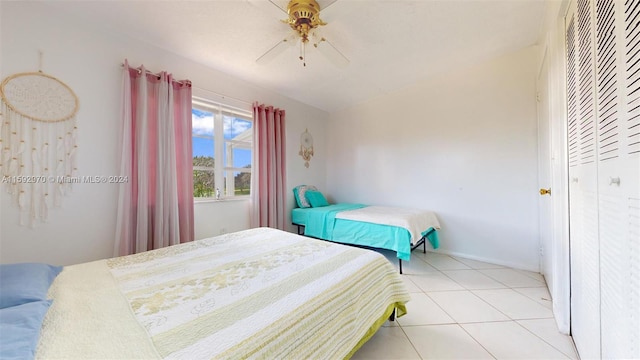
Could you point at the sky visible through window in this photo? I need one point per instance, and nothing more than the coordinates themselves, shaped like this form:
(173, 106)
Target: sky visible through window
(203, 125)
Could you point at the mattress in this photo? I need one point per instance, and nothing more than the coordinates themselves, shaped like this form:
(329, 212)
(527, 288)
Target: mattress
(259, 293)
(391, 228)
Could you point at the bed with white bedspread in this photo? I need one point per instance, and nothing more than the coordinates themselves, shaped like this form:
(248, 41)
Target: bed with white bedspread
(384, 227)
(259, 293)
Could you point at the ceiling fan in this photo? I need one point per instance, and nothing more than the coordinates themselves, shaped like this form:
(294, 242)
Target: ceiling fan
(303, 16)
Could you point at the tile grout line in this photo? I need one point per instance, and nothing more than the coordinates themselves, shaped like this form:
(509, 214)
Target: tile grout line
(440, 307)
(452, 279)
(481, 299)
(542, 284)
(536, 300)
(410, 342)
(543, 340)
(467, 290)
(472, 291)
(526, 273)
(479, 343)
(464, 288)
(461, 263)
(511, 319)
(450, 316)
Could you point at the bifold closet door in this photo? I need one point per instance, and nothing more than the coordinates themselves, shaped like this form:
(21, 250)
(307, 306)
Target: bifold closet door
(583, 219)
(618, 134)
(603, 99)
(610, 93)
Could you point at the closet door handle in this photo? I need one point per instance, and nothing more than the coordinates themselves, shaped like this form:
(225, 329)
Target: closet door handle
(615, 181)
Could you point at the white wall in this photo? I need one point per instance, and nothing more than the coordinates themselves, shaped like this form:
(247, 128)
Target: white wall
(463, 144)
(2, 76)
(88, 59)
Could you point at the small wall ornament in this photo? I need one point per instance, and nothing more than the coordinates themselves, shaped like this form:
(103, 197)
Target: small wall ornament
(306, 147)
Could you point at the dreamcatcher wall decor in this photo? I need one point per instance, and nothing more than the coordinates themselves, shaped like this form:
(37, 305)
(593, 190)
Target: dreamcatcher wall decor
(37, 141)
(306, 147)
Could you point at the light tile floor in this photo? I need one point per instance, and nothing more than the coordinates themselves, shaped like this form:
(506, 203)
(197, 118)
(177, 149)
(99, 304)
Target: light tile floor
(467, 309)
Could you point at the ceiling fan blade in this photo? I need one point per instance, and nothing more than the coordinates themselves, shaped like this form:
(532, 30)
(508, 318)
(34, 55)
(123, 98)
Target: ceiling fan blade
(332, 10)
(282, 6)
(277, 49)
(325, 4)
(331, 52)
(271, 7)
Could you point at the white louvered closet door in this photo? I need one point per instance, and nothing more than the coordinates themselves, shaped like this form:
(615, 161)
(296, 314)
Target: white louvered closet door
(626, 194)
(610, 92)
(583, 220)
(618, 165)
(604, 171)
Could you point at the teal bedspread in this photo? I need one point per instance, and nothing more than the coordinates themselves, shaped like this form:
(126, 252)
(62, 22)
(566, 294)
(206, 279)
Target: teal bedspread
(321, 223)
(432, 236)
(321, 220)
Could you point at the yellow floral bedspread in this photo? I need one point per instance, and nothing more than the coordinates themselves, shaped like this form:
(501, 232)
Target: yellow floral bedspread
(259, 293)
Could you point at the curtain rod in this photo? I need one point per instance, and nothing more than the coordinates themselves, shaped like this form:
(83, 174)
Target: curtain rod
(148, 72)
(224, 96)
(195, 87)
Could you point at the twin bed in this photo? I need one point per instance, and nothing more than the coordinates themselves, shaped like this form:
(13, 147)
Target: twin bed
(398, 229)
(258, 293)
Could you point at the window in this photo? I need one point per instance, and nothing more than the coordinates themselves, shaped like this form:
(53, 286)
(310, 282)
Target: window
(222, 150)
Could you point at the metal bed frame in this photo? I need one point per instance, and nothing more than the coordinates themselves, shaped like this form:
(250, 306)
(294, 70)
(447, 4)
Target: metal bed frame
(422, 241)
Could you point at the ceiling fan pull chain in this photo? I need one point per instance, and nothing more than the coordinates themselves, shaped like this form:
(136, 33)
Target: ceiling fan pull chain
(303, 53)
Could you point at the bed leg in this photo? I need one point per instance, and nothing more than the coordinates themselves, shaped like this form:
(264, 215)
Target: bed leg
(392, 317)
(424, 245)
(400, 262)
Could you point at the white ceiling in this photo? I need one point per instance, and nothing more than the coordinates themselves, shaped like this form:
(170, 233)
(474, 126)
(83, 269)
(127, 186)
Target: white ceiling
(390, 44)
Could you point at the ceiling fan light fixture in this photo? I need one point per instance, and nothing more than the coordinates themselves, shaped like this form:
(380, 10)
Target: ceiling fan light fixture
(304, 19)
(304, 15)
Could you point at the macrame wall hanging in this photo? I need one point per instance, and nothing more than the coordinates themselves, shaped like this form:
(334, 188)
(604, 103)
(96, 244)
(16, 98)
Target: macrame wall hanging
(38, 142)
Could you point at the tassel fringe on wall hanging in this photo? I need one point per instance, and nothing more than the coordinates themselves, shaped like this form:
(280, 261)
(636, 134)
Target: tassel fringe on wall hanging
(37, 141)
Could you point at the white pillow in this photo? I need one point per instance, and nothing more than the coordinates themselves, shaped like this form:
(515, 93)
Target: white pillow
(301, 199)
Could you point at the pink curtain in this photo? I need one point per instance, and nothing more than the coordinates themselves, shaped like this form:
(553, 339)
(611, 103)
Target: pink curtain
(155, 205)
(268, 186)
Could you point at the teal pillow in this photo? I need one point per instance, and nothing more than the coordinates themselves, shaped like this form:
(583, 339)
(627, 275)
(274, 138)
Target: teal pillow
(25, 282)
(21, 326)
(316, 199)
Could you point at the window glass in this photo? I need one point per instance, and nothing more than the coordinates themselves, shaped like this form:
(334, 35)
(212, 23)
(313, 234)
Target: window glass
(221, 158)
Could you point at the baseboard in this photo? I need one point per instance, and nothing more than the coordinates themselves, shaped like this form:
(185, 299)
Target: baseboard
(487, 260)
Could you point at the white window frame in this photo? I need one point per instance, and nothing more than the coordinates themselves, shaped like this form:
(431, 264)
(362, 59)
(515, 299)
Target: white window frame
(219, 110)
